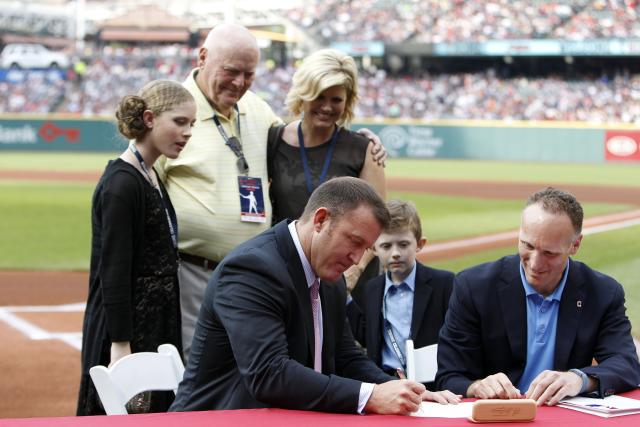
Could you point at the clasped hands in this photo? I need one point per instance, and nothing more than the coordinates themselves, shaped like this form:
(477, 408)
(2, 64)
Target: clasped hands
(404, 397)
(549, 387)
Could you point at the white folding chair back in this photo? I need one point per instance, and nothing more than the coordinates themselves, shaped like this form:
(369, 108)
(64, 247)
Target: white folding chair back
(422, 363)
(136, 373)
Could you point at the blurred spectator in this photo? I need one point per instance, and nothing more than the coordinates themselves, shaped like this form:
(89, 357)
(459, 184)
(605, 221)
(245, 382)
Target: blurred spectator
(482, 95)
(439, 21)
(603, 19)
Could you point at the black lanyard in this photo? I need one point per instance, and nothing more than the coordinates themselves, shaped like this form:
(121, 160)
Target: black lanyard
(233, 143)
(327, 159)
(171, 220)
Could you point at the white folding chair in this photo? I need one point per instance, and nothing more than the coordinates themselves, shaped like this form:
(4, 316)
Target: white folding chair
(422, 363)
(136, 373)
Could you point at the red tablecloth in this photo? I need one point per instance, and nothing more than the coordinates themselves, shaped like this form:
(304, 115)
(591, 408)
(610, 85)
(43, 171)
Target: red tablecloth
(546, 416)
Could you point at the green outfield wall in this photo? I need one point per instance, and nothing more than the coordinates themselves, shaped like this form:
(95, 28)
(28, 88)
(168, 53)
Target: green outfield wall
(495, 140)
(59, 134)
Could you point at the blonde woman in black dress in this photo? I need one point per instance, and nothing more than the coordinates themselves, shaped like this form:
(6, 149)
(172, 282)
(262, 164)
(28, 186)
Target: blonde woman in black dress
(319, 146)
(134, 302)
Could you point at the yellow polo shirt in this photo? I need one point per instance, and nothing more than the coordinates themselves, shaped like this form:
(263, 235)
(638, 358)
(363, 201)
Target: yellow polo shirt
(203, 181)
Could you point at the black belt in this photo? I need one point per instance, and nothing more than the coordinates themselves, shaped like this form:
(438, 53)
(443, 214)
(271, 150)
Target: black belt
(205, 263)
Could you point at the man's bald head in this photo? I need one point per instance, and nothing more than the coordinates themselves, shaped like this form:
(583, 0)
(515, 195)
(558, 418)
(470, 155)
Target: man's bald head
(227, 63)
(228, 37)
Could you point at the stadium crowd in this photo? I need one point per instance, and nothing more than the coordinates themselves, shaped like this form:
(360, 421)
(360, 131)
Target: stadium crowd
(114, 72)
(110, 72)
(441, 21)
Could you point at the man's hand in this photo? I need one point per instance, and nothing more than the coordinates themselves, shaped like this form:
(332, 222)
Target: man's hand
(119, 350)
(400, 397)
(444, 397)
(377, 149)
(351, 276)
(549, 387)
(496, 386)
(353, 273)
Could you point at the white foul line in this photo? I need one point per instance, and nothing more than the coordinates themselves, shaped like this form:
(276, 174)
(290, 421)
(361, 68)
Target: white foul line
(610, 227)
(27, 328)
(65, 308)
(512, 235)
(34, 332)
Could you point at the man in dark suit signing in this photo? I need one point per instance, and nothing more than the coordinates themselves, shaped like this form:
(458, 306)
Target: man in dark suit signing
(272, 329)
(533, 323)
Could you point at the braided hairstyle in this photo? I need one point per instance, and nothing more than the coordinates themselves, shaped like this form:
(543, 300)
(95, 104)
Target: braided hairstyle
(157, 96)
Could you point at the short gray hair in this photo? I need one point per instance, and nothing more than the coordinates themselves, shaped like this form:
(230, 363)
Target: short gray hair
(345, 194)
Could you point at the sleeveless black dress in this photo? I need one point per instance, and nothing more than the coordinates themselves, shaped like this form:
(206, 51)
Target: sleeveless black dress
(288, 190)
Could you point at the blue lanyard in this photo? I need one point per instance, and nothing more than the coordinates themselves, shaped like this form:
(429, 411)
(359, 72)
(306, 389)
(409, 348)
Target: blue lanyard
(305, 163)
(389, 331)
(171, 220)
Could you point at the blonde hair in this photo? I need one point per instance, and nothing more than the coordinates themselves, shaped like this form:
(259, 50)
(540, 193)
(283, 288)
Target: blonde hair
(157, 96)
(319, 71)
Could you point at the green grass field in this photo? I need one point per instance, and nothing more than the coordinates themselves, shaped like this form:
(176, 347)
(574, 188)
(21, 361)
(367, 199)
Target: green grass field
(55, 161)
(449, 217)
(46, 225)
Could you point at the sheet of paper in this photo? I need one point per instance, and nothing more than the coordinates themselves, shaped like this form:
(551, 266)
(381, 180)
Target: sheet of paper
(426, 363)
(592, 412)
(436, 410)
(610, 406)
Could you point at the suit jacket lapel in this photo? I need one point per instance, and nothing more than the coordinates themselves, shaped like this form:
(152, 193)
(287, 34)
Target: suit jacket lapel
(513, 305)
(374, 300)
(571, 302)
(421, 297)
(328, 300)
(296, 272)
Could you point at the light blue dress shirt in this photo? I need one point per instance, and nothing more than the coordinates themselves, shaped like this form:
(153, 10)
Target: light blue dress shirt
(542, 322)
(397, 310)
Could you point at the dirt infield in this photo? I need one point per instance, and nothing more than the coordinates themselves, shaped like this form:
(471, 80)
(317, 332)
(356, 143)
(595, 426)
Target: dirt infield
(41, 375)
(513, 190)
(39, 322)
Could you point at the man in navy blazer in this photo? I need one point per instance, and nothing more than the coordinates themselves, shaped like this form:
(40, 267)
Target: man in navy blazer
(255, 342)
(533, 323)
(424, 298)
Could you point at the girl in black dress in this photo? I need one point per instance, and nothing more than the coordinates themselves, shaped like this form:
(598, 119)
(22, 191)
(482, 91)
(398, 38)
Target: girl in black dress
(134, 302)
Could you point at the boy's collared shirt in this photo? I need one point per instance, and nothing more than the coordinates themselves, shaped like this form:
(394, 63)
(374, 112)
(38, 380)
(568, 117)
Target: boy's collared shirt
(397, 311)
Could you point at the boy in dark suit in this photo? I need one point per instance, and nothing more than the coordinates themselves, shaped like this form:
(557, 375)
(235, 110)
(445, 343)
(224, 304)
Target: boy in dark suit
(409, 301)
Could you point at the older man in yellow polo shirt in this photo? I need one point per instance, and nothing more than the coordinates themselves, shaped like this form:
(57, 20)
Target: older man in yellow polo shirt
(225, 158)
(219, 184)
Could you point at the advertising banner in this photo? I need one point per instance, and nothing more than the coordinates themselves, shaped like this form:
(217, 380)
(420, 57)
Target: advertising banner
(56, 134)
(621, 145)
